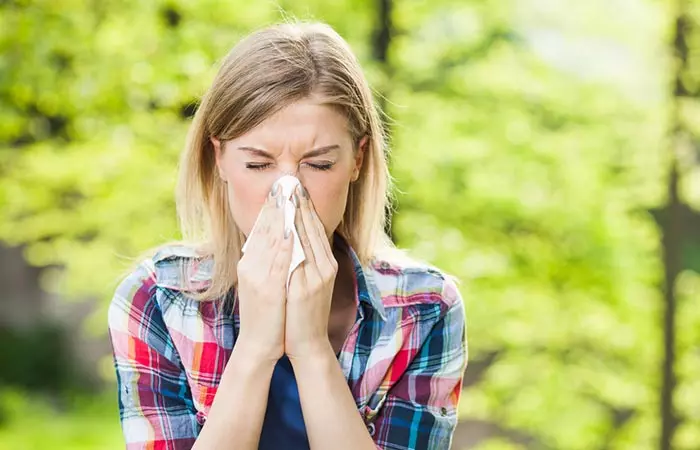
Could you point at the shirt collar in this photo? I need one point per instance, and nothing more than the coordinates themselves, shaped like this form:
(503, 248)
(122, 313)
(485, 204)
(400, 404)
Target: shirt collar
(367, 291)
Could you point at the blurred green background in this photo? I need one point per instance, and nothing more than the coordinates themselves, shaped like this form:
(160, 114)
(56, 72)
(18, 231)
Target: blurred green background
(545, 151)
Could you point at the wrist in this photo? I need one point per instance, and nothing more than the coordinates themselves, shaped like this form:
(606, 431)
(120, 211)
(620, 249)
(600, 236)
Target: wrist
(313, 353)
(251, 352)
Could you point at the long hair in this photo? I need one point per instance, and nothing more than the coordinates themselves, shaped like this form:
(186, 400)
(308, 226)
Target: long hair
(266, 71)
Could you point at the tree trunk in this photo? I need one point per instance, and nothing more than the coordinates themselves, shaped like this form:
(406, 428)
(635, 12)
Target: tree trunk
(380, 45)
(672, 233)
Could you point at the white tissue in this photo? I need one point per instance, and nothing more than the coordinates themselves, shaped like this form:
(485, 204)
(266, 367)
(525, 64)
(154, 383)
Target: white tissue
(288, 184)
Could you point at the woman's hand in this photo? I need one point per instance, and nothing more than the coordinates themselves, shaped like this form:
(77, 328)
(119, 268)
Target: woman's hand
(311, 286)
(262, 275)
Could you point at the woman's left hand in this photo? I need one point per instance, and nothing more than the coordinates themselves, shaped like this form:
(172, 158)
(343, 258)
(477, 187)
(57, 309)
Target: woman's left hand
(311, 286)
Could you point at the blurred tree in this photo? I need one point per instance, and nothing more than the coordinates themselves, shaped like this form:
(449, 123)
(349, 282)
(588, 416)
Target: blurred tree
(679, 219)
(528, 146)
(383, 35)
(672, 233)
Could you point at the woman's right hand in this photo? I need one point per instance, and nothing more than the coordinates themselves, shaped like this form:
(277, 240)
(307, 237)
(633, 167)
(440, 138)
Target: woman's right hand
(262, 277)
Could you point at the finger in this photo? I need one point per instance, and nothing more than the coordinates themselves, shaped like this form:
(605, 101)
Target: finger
(261, 227)
(310, 270)
(273, 235)
(282, 258)
(304, 238)
(272, 207)
(322, 267)
(319, 229)
(315, 230)
(273, 240)
(275, 219)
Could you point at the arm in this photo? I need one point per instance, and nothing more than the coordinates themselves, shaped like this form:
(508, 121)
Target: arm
(420, 411)
(156, 407)
(329, 409)
(330, 413)
(239, 407)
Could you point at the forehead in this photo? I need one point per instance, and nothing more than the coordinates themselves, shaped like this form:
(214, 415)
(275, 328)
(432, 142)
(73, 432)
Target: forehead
(302, 122)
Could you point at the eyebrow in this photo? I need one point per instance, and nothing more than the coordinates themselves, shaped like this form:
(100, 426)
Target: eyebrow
(310, 154)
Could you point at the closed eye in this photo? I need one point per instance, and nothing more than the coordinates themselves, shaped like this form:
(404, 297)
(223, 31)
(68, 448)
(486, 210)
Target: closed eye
(322, 166)
(257, 166)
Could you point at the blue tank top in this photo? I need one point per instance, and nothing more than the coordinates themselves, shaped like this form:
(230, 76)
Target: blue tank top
(283, 426)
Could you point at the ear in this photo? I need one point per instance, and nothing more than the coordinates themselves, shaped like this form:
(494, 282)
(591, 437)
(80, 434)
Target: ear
(360, 157)
(218, 152)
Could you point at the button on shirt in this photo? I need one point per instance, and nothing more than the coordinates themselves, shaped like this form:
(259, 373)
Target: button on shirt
(403, 360)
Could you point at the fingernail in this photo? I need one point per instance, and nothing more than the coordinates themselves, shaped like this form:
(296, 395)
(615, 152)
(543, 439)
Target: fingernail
(287, 232)
(304, 192)
(274, 189)
(295, 200)
(280, 201)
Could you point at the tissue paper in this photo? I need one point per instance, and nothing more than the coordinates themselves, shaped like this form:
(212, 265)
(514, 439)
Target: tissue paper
(288, 184)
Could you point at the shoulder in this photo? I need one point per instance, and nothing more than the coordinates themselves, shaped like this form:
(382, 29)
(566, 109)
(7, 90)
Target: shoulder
(177, 266)
(181, 267)
(403, 280)
(171, 267)
(132, 295)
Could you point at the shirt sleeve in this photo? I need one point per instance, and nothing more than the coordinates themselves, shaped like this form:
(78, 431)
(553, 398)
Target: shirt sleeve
(420, 411)
(155, 404)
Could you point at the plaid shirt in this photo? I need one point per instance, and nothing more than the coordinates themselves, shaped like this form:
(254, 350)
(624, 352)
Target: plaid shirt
(404, 359)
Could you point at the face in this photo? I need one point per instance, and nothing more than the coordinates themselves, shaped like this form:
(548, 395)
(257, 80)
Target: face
(305, 139)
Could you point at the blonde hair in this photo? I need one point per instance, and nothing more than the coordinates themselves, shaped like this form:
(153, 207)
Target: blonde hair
(263, 73)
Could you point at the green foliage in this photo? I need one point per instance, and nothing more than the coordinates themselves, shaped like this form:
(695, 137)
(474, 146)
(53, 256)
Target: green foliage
(528, 145)
(33, 424)
(532, 186)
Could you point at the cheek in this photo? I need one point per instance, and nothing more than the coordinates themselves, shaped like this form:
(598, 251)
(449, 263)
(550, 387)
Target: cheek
(247, 193)
(329, 199)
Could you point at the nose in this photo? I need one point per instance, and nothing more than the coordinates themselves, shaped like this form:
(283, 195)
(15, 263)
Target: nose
(289, 169)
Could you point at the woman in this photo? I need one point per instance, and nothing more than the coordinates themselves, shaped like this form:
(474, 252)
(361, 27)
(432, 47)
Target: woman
(215, 348)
